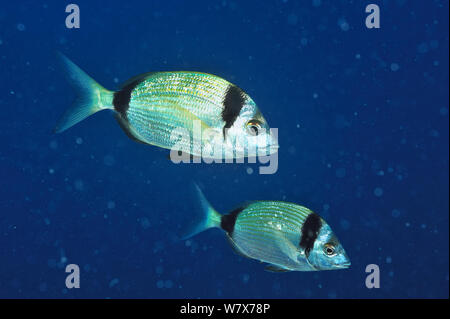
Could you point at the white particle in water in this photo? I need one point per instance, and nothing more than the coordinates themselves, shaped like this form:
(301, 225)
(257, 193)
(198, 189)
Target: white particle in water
(292, 19)
(79, 185)
(395, 67)
(145, 223)
(109, 160)
(113, 282)
(378, 192)
(159, 270)
(168, 284)
(53, 145)
(343, 24)
(395, 213)
(345, 224)
(340, 172)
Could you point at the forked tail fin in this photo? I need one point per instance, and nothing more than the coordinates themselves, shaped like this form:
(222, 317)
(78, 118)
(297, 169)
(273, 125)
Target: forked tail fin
(209, 217)
(92, 97)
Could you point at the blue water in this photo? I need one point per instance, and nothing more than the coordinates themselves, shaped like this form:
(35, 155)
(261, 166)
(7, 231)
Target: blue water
(363, 128)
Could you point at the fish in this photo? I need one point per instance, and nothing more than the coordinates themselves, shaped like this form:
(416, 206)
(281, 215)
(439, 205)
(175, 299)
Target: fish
(157, 108)
(285, 236)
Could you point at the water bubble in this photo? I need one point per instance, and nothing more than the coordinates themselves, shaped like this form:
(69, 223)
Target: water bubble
(20, 27)
(345, 224)
(340, 172)
(79, 185)
(145, 223)
(249, 170)
(159, 270)
(388, 259)
(109, 160)
(168, 284)
(160, 284)
(111, 204)
(378, 192)
(395, 213)
(422, 48)
(245, 278)
(316, 3)
(443, 111)
(43, 287)
(292, 19)
(343, 24)
(395, 67)
(113, 282)
(53, 145)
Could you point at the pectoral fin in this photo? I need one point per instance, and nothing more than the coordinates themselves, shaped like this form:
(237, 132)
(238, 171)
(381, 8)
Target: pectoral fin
(236, 248)
(275, 268)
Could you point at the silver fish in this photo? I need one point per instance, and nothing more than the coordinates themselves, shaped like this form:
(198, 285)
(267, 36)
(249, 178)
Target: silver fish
(287, 236)
(153, 108)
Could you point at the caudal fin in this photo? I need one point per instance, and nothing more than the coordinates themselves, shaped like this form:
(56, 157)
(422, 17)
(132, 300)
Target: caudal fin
(208, 218)
(92, 97)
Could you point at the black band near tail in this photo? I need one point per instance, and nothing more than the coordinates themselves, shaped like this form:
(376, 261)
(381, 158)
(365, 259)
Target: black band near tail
(310, 231)
(232, 104)
(228, 221)
(121, 100)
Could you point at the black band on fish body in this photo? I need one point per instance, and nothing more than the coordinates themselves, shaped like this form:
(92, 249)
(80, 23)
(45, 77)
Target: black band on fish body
(228, 221)
(310, 231)
(121, 100)
(233, 102)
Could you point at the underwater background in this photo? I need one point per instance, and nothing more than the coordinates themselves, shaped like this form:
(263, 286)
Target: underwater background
(362, 117)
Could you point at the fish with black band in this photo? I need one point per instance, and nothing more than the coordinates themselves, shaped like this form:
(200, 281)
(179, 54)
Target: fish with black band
(149, 107)
(287, 236)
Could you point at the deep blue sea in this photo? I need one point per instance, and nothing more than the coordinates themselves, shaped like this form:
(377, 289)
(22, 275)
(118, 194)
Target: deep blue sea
(363, 122)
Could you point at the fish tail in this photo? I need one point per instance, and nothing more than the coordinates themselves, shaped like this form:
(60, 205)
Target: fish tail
(92, 97)
(209, 217)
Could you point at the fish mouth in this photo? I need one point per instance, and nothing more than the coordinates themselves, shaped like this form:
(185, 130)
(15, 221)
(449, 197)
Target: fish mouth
(343, 265)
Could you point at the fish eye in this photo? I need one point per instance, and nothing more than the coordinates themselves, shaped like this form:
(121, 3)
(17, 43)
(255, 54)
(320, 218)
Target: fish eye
(253, 127)
(329, 249)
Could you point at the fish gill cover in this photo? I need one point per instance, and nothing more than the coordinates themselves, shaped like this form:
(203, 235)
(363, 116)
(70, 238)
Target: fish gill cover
(362, 116)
